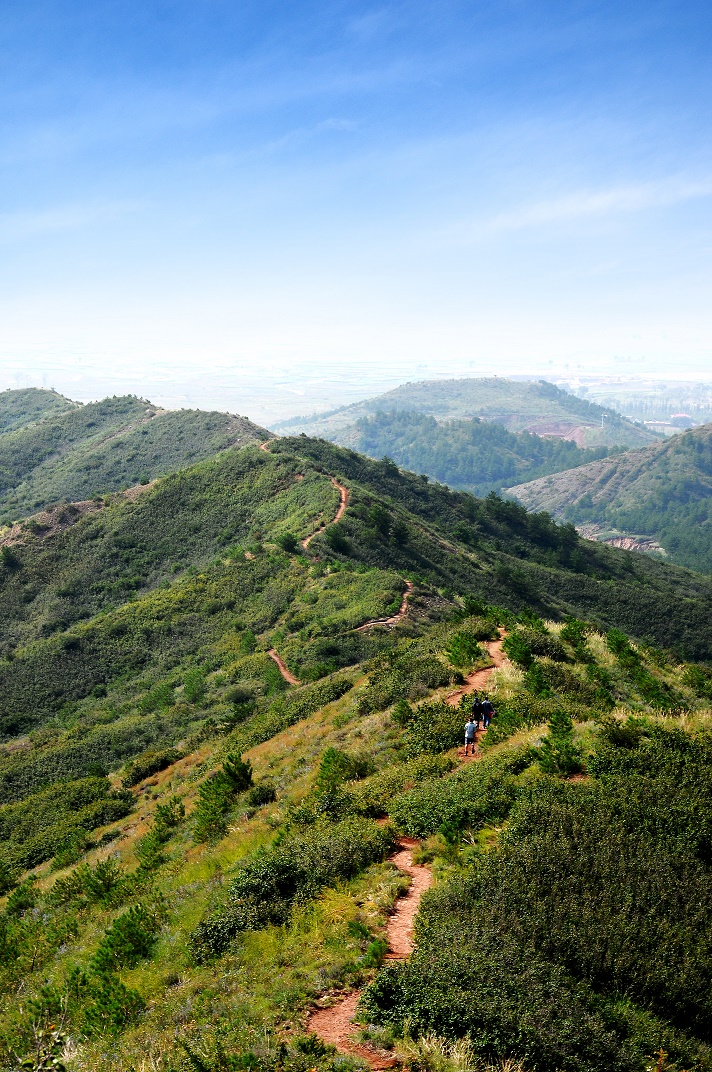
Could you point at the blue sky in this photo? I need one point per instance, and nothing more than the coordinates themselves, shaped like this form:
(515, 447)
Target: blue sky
(237, 191)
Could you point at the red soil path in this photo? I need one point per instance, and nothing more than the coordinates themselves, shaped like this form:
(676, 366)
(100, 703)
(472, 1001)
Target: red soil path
(283, 668)
(343, 503)
(334, 1025)
(394, 619)
(476, 681)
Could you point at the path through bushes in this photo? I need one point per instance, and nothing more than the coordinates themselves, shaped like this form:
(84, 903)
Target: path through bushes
(334, 1024)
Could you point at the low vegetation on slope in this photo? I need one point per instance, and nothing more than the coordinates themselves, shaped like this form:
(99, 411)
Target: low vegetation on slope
(193, 852)
(29, 404)
(52, 449)
(662, 492)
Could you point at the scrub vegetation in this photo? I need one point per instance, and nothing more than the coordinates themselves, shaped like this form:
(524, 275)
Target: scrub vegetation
(193, 851)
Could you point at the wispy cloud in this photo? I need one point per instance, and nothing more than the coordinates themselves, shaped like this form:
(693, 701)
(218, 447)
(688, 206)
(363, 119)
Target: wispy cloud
(26, 223)
(580, 204)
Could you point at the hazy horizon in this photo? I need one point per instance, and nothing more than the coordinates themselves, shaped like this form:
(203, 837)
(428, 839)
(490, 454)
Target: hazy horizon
(285, 203)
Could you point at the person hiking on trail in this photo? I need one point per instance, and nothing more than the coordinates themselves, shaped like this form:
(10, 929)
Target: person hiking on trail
(470, 734)
(487, 712)
(476, 711)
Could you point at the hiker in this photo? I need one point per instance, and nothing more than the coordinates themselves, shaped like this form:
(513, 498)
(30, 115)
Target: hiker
(487, 713)
(476, 711)
(470, 734)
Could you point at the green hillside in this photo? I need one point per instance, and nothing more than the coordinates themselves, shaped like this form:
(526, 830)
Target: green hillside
(518, 405)
(661, 493)
(194, 852)
(55, 450)
(473, 455)
(30, 404)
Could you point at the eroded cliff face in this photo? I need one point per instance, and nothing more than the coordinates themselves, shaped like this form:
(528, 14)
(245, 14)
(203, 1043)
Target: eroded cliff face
(628, 542)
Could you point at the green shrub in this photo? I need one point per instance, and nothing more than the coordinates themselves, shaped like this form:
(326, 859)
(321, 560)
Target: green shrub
(372, 797)
(403, 674)
(150, 762)
(288, 542)
(476, 794)
(436, 727)
(128, 940)
(558, 754)
(217, 795)
(336, 538)
(337, 767)
(294, 870)
(260, 794)
(106, 884)
(463, 648)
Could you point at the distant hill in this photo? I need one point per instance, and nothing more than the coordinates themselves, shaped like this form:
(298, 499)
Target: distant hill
(53, 449)
(518, 405)
(661, 494)
(475, 455)
(30, 404)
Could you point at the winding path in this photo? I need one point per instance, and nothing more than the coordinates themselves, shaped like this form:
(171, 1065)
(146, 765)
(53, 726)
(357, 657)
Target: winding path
(343, 503)
(334, 1024)
(283, 668)
(395, 618)
(479, 678)
(341, 510)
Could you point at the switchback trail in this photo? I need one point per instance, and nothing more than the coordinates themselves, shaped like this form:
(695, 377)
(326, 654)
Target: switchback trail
(343, 503)
(334, 1024)
(395, 618)
(341, 510)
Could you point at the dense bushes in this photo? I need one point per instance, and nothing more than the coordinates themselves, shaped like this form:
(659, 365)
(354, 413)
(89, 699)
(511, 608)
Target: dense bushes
(435, 726)
(34, 830)
(286, 710)
(598, 890)
(402, 673)
(372, 796)
(294, 869)
(150, 762)
(476, 794)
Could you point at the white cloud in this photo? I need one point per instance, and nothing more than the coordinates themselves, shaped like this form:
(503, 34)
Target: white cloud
(26, 223)
(583, 203)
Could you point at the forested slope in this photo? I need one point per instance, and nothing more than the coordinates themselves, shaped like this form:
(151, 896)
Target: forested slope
(190, 855)
(664, 492)
(473, 455)
(56, 450)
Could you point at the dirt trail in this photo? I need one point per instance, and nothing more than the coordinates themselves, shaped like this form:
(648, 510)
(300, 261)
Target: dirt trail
(343, 503)
(283, 668)
(334, 1025)
(479, 678)
(395, 618)
(476, 681)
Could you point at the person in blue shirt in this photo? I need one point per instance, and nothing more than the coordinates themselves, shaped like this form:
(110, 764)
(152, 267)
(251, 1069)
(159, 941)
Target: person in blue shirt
(470, 735)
